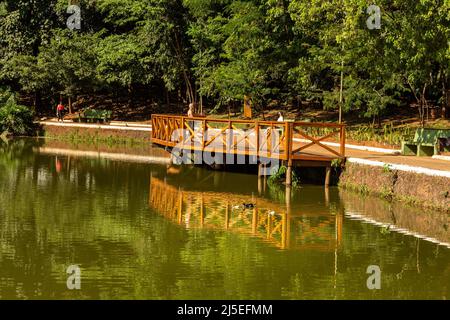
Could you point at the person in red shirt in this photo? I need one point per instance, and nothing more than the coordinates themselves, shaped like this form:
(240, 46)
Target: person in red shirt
(60, 111)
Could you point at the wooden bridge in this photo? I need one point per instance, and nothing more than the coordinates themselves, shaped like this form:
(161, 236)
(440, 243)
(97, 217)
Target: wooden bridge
(271, 222)
(293, 143)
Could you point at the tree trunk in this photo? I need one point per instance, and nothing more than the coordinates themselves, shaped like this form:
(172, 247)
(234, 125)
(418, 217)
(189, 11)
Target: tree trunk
(418, 100)
(70, 104)
(445, 101)
(167, 97)
(201, 104)
(341, 92)
(181, 59)
(130, 95)
(189, 89)
(36, 101)
(423, 104)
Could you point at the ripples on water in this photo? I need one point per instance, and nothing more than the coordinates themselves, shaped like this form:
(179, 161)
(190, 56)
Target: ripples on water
(139, 232)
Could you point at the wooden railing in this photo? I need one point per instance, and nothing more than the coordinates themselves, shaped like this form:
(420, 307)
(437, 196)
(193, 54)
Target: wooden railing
(270, 139)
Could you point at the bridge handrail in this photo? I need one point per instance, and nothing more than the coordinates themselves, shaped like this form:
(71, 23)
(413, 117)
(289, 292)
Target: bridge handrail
(170, 123)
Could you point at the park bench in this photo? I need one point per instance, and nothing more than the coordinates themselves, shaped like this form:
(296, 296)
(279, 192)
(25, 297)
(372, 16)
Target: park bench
(427, 142)
(92, 115)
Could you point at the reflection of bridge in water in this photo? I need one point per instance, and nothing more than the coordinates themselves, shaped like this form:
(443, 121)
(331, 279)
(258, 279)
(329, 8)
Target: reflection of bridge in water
(271, 222)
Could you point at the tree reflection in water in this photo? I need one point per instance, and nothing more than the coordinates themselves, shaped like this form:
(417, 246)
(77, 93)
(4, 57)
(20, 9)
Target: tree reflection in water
(122, 223)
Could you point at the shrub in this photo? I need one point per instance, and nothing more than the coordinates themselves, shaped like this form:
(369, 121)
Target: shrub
(15, 119)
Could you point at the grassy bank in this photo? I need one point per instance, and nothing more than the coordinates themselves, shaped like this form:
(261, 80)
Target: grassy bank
(95, 135)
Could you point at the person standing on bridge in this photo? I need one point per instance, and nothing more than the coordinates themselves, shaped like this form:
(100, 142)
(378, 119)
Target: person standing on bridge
(280, 117)
(60, 111)
(190, 114)
(280, 130)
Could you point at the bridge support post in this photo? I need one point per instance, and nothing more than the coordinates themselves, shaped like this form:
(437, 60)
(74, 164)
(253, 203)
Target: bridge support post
(289, 174)
(286, 230)
(288, 195)
(260, 184)
(289, 134)
(327, 176)
(264, 184)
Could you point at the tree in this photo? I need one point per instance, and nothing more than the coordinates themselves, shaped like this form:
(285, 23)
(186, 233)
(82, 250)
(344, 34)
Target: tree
(276, 51)
(409, 52)
(152, 42)
(24, 26)
(68, 63)
(418, 37)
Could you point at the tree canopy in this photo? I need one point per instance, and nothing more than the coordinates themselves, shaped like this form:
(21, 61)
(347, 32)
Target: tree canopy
(275, 51)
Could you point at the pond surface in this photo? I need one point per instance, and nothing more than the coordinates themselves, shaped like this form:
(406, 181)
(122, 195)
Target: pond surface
(141, 231)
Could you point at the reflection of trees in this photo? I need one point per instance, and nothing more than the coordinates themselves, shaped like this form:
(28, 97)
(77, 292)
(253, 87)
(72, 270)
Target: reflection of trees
(95, 213)
(15, 154)
(83, 215)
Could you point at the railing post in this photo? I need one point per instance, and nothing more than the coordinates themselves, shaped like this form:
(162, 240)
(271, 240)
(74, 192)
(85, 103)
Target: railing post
(289, 142)
(231, 136)
(182, 131)
(257, 139)
(153, 127)
(342, 141)
(166, 129)
(204, 128)
(269, 141)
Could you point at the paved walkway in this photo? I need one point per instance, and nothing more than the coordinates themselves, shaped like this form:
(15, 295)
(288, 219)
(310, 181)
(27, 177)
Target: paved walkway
(425, 165)
(115, 125)
(426, 162)
(369, 156)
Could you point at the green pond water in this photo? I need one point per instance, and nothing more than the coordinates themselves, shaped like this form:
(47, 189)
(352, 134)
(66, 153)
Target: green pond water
(143, 231)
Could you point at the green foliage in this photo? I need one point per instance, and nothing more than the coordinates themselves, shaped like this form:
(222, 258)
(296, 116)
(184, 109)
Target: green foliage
(14, 118)
(336, 163)
(387, 168)
(387, 135)
(5, 94)
(69, 62)
(273, 51)
(279, 176)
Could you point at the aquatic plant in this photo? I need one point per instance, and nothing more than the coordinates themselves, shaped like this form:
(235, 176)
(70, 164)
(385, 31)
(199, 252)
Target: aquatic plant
(279, 176)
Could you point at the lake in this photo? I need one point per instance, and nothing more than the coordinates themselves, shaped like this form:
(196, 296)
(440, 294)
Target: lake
(146, 231)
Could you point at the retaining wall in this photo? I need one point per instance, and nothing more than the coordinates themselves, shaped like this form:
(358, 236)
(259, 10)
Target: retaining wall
(414, 188)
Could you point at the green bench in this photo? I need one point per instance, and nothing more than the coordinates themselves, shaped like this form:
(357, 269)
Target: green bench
(92, 115)
(427, 142)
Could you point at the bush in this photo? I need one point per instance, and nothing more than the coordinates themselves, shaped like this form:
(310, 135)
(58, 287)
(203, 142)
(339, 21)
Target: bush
(15, 119)
(5, 94)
